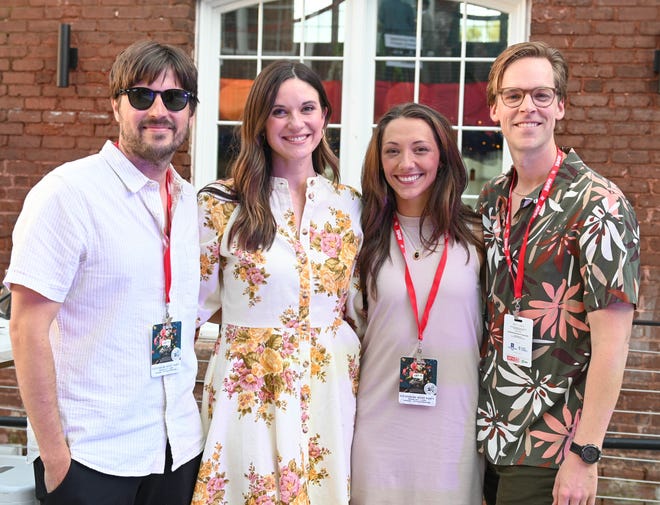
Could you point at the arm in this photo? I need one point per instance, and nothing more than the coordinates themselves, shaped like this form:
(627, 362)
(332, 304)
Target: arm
(610, 333)
(32, 315)
(355, 311)
(210, 237)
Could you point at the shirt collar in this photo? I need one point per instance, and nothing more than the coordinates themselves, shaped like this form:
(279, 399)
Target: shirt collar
(133, 179)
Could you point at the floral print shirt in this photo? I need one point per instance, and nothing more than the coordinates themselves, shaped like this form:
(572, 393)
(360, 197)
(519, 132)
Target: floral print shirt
(279, 393)
(582, 255)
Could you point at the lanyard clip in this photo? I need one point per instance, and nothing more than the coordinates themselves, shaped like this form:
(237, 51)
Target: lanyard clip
(167, 322)
(418, 356)
(516, 307)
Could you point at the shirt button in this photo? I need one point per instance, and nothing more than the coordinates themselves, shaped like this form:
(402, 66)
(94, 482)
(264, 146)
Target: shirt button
(304, 231)
(311, 195)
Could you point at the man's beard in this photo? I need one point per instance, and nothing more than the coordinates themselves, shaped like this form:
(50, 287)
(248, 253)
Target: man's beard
(153, 152)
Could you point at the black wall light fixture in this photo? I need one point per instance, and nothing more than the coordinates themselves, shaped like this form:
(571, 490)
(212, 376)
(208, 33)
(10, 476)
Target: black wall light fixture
(67, 57)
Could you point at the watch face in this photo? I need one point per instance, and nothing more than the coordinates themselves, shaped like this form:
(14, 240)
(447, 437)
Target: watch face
(590, 454)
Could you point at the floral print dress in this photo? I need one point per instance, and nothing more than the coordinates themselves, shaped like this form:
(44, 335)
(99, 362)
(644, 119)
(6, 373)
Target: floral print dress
(279, 392)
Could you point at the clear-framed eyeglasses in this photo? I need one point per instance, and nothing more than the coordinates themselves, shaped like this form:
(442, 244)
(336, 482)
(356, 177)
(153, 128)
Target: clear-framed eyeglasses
(513, 97)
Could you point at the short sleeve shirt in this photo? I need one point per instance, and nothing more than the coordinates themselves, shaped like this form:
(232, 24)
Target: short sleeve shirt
(582, 255)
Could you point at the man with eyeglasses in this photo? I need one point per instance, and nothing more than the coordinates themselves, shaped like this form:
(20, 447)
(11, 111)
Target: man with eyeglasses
(562, 281)
(104, 276)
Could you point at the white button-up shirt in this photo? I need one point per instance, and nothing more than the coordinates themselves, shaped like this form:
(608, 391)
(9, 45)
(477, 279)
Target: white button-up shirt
(90, 236)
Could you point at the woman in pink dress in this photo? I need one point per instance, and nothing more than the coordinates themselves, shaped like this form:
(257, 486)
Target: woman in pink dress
(420, 264)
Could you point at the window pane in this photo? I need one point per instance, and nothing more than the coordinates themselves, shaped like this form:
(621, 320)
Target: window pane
(445, 17)
(483, 25)
(439, 88)
(394, 84)
(235, 81)
(397, 26)
(239, 31)
(475, 108)
(333, 135)
(330, 73)
(324, 28)
(482, 155)
(278, 39)
(228, 147)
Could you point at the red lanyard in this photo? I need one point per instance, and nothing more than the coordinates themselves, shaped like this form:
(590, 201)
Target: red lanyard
(421, 325)
(168, 227)
(520, 274)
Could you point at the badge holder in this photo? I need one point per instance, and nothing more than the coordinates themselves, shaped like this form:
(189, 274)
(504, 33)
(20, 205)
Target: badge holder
(165, 347)
(418, 379)
(518, 333)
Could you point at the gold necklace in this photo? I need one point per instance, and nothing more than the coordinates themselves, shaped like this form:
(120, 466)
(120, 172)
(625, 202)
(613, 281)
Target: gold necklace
(417, 253)
(521, 194)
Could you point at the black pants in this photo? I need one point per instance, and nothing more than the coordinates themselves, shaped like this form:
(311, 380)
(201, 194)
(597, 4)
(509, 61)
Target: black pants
(491, 481)
(84, 486)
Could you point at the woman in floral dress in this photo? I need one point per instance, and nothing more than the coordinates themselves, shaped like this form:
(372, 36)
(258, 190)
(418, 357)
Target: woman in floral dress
(279, 244)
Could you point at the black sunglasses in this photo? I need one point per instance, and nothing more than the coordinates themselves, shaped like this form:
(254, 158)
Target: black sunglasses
(173, 99)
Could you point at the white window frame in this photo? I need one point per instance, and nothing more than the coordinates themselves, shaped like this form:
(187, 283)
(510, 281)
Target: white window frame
(357, 85)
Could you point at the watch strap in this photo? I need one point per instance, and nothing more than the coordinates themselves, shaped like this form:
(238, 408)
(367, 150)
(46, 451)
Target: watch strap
(589, 453)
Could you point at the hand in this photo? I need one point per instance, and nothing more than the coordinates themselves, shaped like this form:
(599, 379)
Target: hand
(576, 482)
(54, 473)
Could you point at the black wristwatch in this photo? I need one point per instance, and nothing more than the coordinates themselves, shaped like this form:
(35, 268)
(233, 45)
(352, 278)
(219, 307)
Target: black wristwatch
(589, 453)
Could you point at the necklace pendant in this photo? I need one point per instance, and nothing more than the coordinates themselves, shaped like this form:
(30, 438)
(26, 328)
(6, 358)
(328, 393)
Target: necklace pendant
(416, 255)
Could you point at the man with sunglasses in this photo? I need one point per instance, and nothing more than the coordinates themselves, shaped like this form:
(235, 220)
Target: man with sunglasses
(562, 281)
(104, 276)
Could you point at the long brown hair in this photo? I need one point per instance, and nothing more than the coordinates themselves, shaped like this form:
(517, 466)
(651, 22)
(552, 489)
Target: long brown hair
(444, 208)
(255, 225)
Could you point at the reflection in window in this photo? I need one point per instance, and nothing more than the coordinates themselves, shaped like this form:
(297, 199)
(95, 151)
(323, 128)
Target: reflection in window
(228, 147)
(397, 26)
(441, 21)
(321, 20)
(481, 25)
(482, 156)
(235, 81)
(239, 31)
